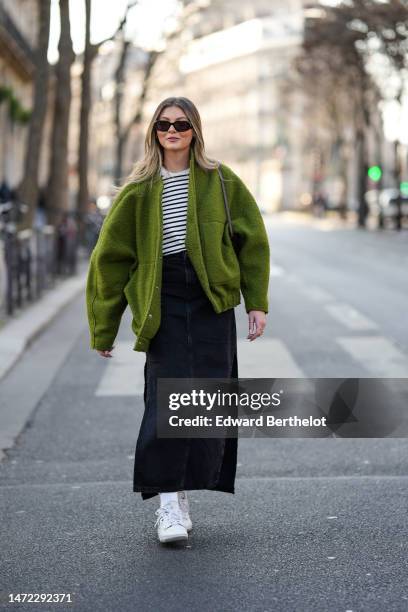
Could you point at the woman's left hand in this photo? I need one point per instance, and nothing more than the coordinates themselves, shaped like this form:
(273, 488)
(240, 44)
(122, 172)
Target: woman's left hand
(257, 322)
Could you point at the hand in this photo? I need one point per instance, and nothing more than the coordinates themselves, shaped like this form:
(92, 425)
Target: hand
(107, 352)
(257, 322)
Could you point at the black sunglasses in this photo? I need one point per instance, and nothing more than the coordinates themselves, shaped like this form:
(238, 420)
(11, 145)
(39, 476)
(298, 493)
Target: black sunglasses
(180, 126)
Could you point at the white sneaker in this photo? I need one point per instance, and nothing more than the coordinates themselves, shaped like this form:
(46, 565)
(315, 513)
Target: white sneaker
(185, 510)
(170, 527)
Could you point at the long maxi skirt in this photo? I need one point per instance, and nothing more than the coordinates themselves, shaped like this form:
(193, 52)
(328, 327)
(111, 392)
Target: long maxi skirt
(193, 341)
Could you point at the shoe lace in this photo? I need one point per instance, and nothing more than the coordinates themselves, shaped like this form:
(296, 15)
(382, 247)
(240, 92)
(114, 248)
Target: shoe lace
(168, 516)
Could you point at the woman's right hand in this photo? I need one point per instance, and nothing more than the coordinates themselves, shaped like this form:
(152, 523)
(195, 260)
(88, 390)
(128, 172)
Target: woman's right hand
(107, 352)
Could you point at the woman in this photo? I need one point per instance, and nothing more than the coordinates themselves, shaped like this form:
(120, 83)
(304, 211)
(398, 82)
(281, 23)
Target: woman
(165, 249)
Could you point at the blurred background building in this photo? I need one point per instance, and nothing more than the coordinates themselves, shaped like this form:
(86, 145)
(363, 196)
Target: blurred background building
(235, 60)
(18, 34)
(306, 100)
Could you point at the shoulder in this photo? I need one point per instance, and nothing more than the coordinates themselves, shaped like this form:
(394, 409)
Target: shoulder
(229, 174)
(122, 206)
(124, 198)
(236, 187)
(126, 192)
(233, 181)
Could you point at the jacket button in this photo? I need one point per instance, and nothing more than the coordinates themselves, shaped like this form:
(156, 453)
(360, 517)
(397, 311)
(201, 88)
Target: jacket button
(157, 286)
(150, 315)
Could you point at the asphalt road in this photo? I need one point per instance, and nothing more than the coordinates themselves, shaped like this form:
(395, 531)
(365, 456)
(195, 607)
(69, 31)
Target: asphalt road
(315, 525)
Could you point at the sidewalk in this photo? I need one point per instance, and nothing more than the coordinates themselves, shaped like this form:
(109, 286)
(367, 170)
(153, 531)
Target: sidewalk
(330, 221)
(27, 369)
(21, 329)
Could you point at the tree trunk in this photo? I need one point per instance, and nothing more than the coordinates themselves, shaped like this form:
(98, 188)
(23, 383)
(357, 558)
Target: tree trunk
(83, 192)
(28, 190)
(344, 180)
(122, 133)
(57, 189)
(362, 169)
(120, 78)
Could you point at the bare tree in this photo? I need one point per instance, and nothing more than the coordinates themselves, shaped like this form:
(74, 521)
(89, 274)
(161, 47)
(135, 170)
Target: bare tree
(90, 53)
(123, 132)
(336, 48)
(388, 23)
(28, 189)
(57, 188)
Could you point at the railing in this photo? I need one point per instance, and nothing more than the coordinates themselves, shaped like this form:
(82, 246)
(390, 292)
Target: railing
(31, 260)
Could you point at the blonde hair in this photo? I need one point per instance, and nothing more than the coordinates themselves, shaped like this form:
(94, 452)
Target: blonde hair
(149, 166)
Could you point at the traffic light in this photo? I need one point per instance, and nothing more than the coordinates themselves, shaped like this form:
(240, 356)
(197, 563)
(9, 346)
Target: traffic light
(374, 173)
(404, 188)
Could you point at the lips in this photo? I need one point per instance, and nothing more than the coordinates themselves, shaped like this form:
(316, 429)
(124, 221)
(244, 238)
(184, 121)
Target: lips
(173, 139)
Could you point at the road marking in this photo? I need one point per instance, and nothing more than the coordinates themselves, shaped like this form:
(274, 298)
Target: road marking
(314, 292)
(378, 355)
(341, 311)
(350, 317)
(263, 358)
(317, 294)
(266, 358)
(124, 373)
(276, 271)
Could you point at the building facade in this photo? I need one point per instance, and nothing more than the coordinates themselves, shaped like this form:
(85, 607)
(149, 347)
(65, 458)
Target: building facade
(233, 61)
(18, 35)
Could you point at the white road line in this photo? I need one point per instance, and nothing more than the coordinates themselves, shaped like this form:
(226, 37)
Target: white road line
(124, 373)
(317, 294)
(350, 317)
(378, 355)
(276, 271)
(344, 313)
(314, 292)
(263, 358)
(266, 358)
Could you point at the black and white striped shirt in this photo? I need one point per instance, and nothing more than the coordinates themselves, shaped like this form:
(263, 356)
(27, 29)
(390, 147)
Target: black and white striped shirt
(174, 206)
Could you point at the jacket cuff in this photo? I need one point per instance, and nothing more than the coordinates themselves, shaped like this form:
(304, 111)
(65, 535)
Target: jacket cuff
(102, 343)
(256, 306)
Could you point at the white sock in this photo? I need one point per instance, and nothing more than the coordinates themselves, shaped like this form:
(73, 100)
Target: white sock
(165, 498)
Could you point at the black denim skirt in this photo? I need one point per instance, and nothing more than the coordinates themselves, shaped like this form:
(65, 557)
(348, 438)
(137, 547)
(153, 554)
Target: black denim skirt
(193, 341)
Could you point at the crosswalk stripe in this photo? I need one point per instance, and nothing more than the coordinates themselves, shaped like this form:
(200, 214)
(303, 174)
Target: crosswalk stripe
(124, 373)
(317, 294)
(262, 358)
(266, 358)
(276, 270)
(350, 317)
(378, 355)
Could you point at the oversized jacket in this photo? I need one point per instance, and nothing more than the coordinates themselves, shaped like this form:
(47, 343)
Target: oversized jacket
(125, 266)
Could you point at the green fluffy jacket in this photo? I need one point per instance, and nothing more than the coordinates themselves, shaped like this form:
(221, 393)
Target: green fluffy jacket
(125, 266)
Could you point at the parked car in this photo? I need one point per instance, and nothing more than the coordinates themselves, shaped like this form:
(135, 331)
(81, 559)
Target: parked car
(383, 204)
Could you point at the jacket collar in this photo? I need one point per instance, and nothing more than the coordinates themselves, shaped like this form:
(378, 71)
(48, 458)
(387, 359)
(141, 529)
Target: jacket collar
(193, 165)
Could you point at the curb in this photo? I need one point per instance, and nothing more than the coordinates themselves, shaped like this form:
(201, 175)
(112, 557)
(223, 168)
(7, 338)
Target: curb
(21, 329)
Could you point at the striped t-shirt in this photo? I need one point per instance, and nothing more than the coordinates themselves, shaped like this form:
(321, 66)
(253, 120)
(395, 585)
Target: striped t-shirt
(174, 206)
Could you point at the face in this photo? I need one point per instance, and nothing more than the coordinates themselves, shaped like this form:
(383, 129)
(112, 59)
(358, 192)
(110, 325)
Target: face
(173, 140)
